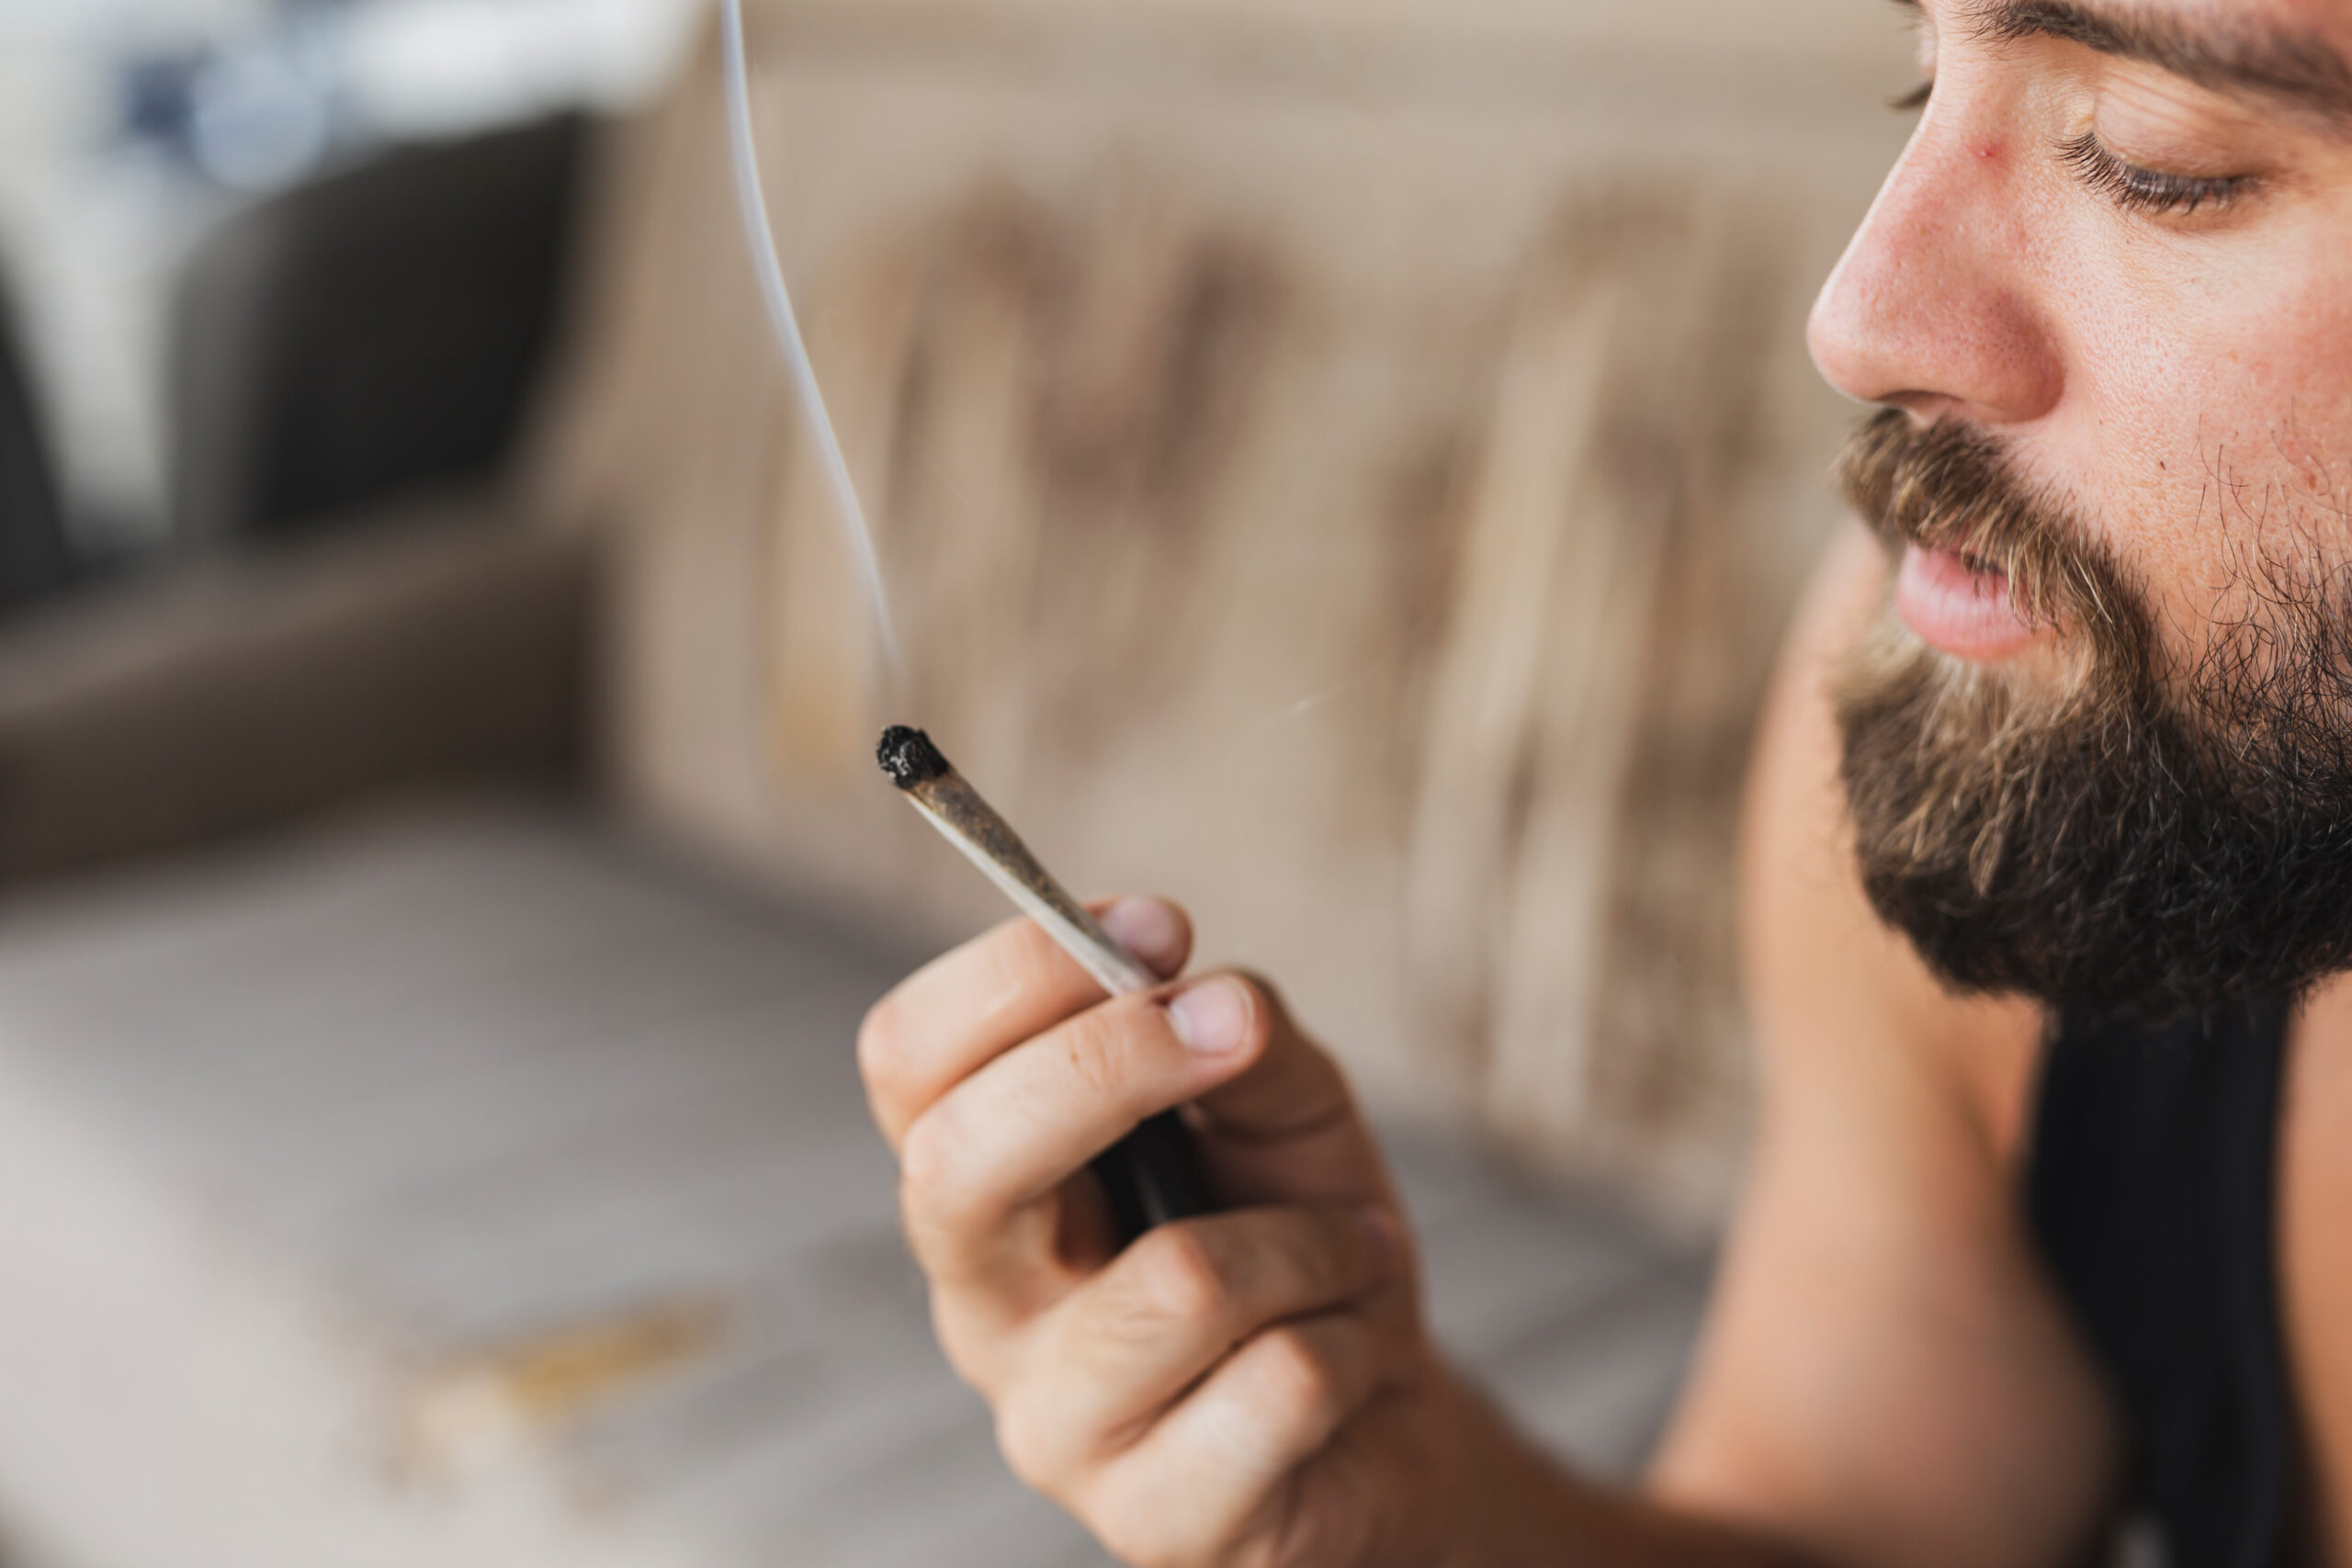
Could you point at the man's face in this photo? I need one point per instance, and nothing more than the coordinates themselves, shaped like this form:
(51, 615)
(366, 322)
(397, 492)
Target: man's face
(2102, 751)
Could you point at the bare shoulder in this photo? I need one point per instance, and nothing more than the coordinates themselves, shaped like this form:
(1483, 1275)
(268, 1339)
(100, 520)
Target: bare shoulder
(2315, 1252)
(1884, 1377)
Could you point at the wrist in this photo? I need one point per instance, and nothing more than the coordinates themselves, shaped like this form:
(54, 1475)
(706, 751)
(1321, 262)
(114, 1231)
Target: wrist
(1514, 1504)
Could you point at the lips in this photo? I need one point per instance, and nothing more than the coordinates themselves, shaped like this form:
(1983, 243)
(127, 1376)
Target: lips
(1958, 607)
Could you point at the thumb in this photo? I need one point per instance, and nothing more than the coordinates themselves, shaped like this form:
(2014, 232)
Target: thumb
(1287, 1130)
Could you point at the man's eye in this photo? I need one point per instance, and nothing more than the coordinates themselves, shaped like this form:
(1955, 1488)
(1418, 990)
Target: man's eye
(1917, 98)
(2136, 190)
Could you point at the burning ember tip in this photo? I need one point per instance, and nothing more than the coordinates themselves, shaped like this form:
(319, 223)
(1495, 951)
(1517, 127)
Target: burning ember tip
(909, 758)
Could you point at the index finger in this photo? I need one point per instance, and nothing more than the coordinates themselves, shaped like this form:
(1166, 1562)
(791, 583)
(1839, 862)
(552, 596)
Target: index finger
(969, 1006)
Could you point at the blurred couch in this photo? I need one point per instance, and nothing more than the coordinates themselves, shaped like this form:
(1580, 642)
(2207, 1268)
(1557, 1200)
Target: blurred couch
(1347, 470)
(376, 332)
(1344, 466)
(34, 560)
(354, 605)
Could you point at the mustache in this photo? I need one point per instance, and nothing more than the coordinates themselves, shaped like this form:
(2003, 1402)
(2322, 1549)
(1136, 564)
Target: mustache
(1950, 486)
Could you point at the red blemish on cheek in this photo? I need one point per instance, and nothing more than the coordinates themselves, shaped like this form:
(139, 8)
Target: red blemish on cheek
(1989, 151)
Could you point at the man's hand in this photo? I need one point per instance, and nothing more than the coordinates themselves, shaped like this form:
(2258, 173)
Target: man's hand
(1253, 1387)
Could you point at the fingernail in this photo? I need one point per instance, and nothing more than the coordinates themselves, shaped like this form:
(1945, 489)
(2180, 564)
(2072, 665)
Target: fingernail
(1213, 1016)
(1387, 1234)
(1148, 927)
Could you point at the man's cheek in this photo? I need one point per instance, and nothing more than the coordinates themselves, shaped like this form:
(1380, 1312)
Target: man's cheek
(2239, 468)
(2276, 371)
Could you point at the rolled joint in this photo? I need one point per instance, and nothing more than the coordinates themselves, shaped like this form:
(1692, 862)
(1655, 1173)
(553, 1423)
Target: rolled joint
(963, 815)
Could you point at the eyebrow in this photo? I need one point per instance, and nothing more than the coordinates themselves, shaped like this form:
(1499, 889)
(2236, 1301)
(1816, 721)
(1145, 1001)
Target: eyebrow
(2299, 68)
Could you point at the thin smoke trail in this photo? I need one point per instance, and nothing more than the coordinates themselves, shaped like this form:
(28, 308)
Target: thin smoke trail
(753, 204)
(1302, 706)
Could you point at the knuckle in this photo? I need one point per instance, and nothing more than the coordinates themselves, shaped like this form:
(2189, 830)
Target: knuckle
(928, 1162)
(1019, 961)
(1131, 1540)
(980, 1328)
(1026, 1438)
(967, 1350)
(1275, 1548)
(1132, 1518)
(1324, 1257)
(881, 1047)
(1183, 1276)
(1003, 973)
(1296, 1372)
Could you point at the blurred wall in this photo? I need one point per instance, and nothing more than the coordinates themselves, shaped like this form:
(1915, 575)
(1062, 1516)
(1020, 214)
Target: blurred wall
(1344, 464)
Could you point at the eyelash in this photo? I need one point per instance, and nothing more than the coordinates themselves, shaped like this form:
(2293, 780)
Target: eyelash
(2136, 190)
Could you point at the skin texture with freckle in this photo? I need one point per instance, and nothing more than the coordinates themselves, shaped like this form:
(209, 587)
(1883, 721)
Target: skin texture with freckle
(2109, 287)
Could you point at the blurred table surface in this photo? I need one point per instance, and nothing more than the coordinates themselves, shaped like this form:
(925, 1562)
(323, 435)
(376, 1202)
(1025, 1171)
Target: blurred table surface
(482, 1185)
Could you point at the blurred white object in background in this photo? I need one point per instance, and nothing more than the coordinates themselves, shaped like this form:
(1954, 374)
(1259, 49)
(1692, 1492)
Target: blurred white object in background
(128, 127)
(256, 120)
(436, 67)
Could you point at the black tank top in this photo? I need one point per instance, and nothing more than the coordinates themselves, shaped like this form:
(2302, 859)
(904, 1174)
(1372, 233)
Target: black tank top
(2150, 1188)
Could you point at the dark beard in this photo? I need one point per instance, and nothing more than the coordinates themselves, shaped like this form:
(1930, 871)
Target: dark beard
(2149, 841)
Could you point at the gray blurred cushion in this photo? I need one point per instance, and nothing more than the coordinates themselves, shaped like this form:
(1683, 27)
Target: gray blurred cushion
(33, 557)
(376, 332)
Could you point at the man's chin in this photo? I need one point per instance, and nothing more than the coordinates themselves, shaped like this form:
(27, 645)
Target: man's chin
(2042, 801)
(2081, 850)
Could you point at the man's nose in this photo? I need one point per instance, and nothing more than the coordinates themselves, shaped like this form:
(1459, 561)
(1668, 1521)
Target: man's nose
(1932, 308)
